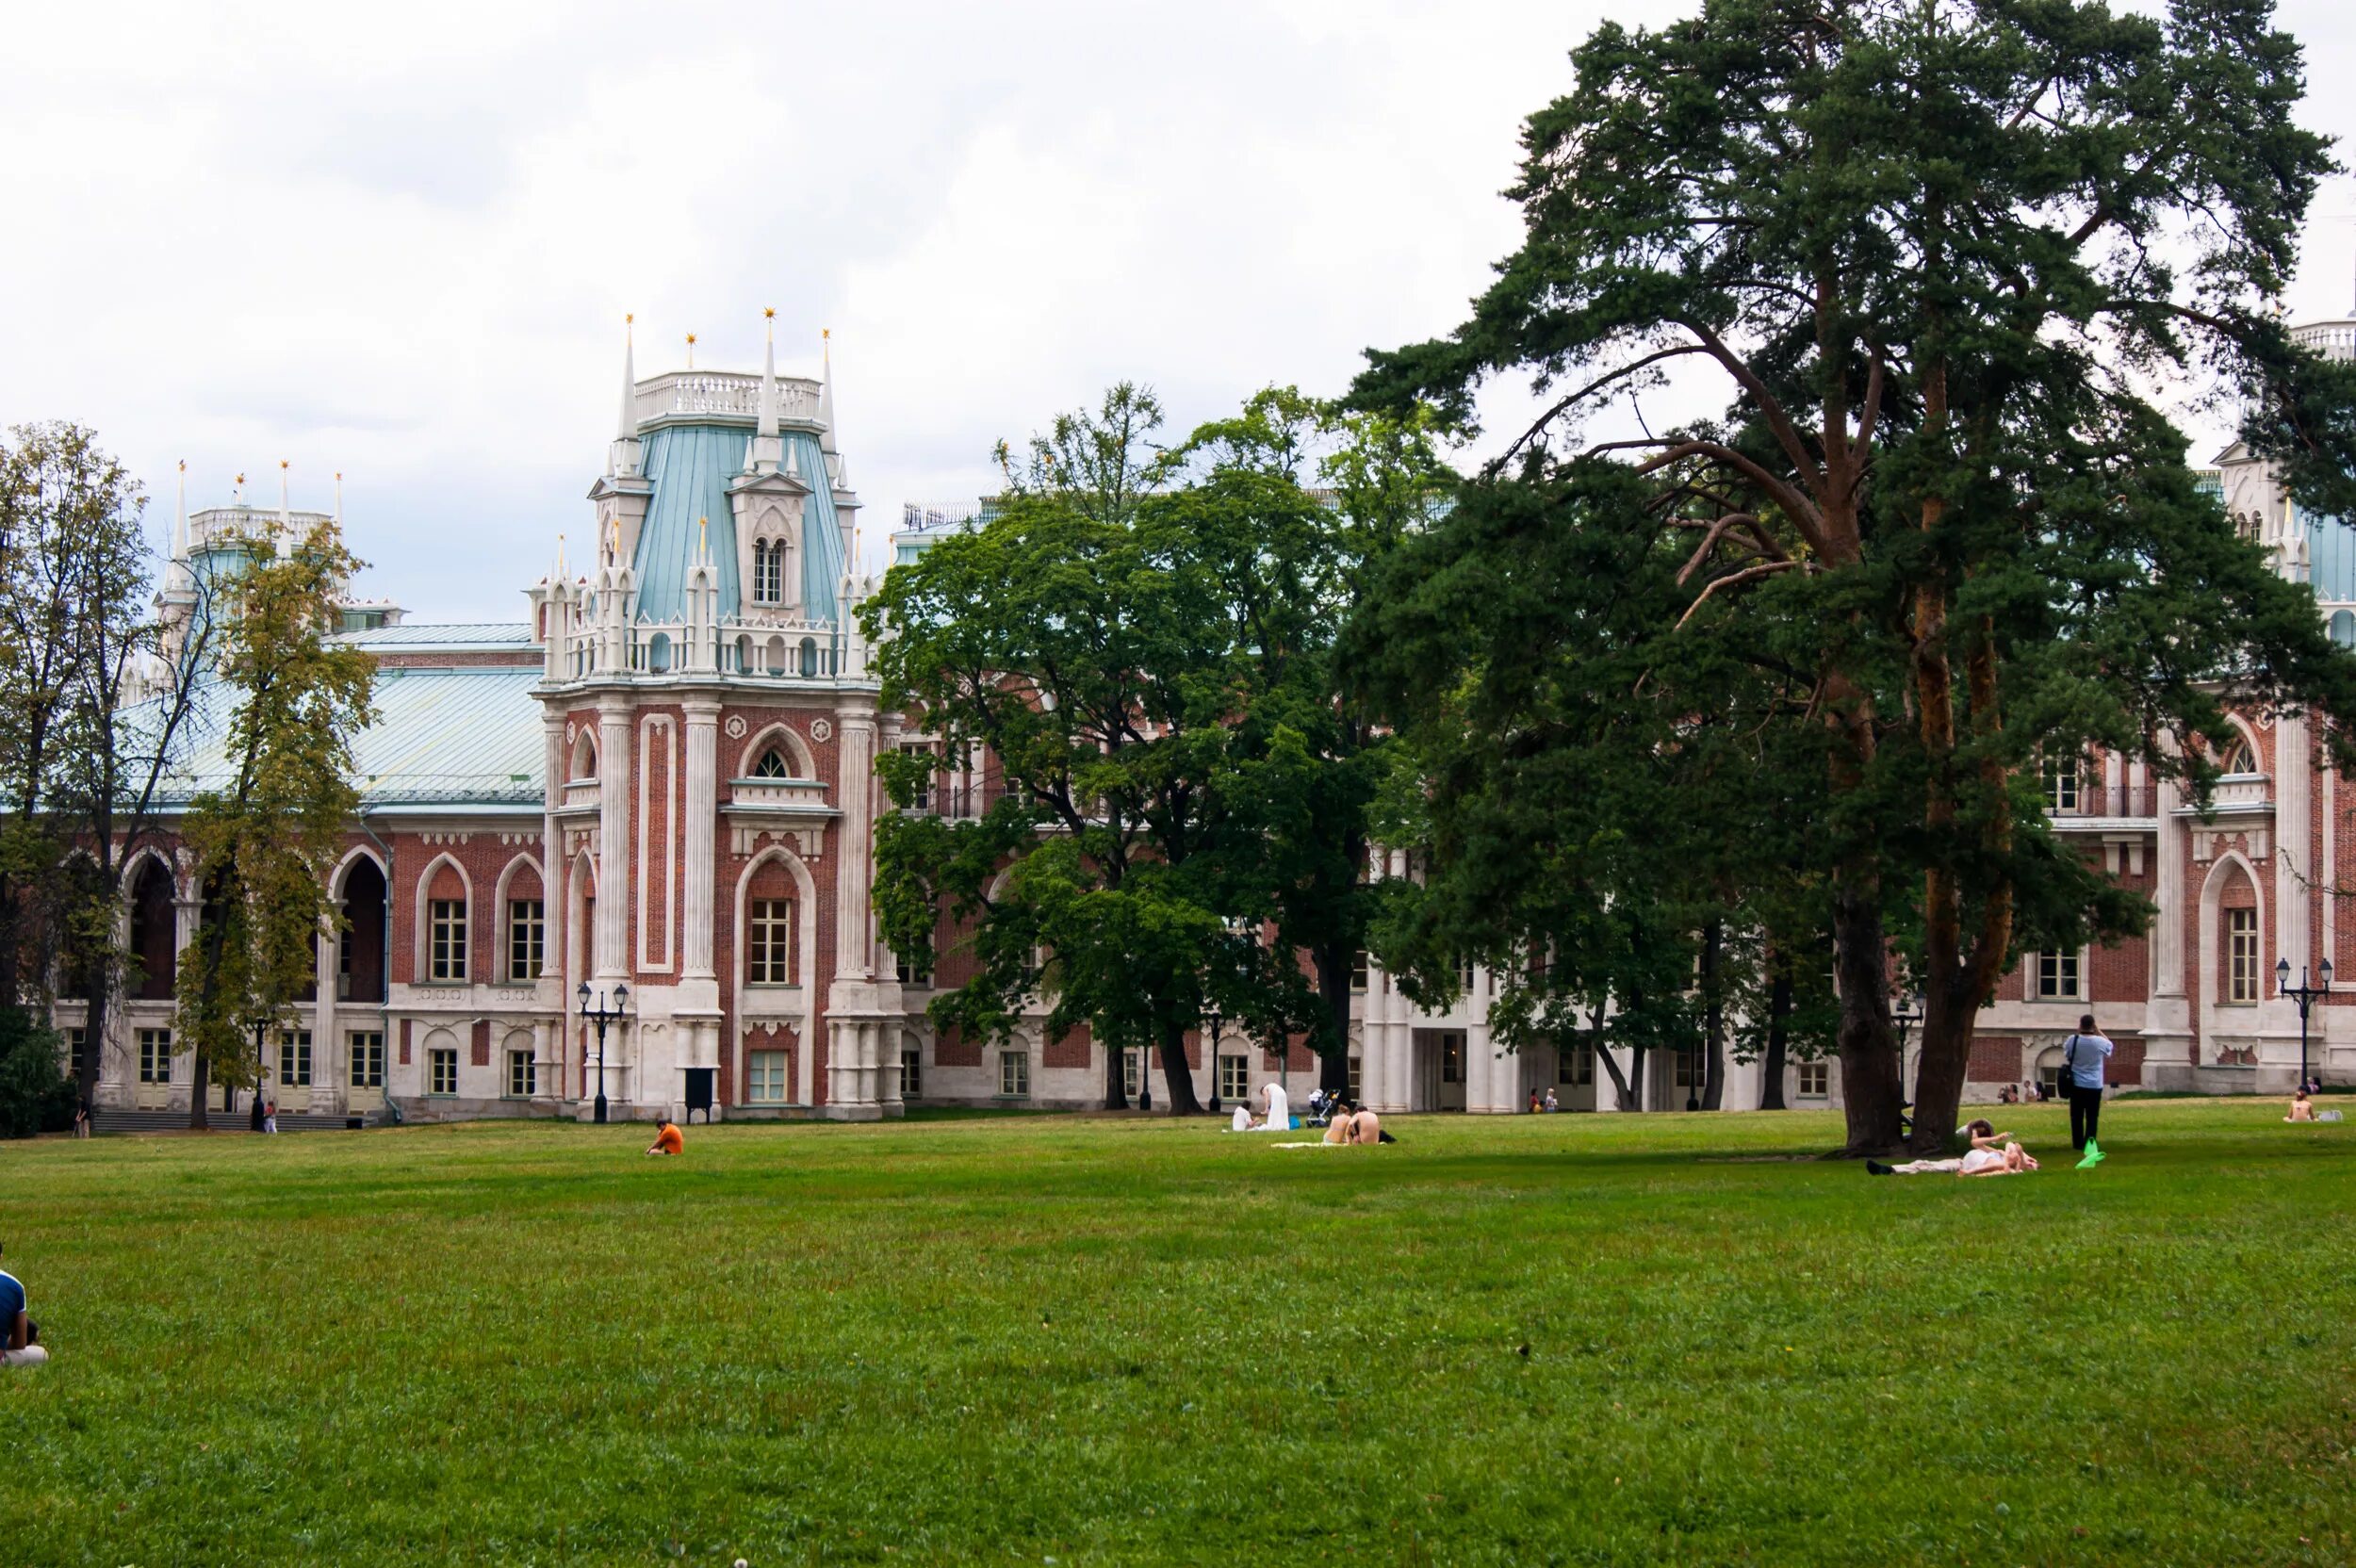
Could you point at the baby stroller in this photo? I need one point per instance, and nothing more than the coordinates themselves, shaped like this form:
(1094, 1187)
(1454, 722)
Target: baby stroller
(1322, 1105)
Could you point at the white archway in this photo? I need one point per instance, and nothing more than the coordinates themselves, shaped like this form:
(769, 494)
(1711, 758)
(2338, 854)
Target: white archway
(2205, 935)
(787, 739)
(421, 911)
(805, 958)
(499, 915)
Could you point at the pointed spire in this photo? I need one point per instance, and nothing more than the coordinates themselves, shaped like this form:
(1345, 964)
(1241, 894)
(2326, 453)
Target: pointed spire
(629, 381)
(826, 390)
(691, 350)
(285, 515)
(621, 458)
(176, 578)
(339, 498)
(703, 538)
(237, 496)
(768, 425)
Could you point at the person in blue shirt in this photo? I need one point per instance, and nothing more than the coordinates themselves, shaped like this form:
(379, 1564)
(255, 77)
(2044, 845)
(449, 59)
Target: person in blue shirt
(22, 1343)
(2084, 1055)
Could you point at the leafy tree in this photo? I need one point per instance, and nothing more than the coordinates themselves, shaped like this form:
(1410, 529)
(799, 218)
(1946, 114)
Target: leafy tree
(1144, 644)
(265, 839)
(1939, 251)
(58, 494)
(1065, 641)
(1291, 507)
(35, 1096)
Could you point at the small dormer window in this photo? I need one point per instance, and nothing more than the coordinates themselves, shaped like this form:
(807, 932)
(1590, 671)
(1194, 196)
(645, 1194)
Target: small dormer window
(768, 572)
(772, 765)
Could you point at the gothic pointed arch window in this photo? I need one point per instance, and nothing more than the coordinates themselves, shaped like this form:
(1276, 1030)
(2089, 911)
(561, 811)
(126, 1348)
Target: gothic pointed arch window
(2238, 757)
(772, 765)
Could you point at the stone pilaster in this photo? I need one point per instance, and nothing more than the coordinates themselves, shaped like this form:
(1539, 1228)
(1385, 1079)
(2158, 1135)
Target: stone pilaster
(701, 832)
(612, 931)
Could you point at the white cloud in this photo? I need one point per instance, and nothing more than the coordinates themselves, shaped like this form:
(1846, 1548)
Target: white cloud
(398, 243)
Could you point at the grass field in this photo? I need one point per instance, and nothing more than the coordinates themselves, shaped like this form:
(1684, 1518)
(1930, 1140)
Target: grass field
(1057, 1340)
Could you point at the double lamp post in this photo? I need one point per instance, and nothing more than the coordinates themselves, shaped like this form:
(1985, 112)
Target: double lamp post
(601, 1015)
(2304, 994)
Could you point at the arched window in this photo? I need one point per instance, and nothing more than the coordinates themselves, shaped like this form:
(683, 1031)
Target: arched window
(155, 948)
(772, 765)
(768, 572)
(2239, 759)
(810, 656)
(658, 652)
(2344, 628)
(584, 757)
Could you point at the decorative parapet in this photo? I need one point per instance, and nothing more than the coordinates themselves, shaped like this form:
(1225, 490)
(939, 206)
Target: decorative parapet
(683, 397)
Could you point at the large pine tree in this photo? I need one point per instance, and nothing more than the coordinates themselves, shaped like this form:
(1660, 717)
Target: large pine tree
(1941, 252)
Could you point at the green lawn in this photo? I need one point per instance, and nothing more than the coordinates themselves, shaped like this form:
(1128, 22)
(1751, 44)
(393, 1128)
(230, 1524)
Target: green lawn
(1079, 1342)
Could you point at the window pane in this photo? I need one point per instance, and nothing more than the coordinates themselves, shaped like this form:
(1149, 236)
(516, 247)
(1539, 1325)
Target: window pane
(527, 937)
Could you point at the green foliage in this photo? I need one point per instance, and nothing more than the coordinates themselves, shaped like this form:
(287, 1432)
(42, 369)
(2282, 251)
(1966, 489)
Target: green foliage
(70, 559)
(36, 1096)
(1939, 256)
(265, 843)
(1010, 1339)
(1142, 642)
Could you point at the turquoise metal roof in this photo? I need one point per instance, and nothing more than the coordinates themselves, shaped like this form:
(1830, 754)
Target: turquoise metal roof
(475, 634)
(690, 467)
(2331, 555)
(452, 737)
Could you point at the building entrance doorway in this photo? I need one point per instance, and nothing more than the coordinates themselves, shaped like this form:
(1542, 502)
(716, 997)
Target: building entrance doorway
(1439, 1069)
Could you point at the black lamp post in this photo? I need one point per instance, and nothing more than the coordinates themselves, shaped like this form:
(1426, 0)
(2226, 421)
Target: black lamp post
(2304, 994)
(601, 1015)
(1213, 1019)
(1908, 1010)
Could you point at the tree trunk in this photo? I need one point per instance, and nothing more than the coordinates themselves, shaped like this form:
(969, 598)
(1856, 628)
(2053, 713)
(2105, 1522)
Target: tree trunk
(97, 982)
(198, 1071)
(1714, 1017)
(1116, 1090)
(1621, 1089)
(1938, 1072)
(1176, 1074)
(1869, 1067)
(1778, 1032)
(1334, 985)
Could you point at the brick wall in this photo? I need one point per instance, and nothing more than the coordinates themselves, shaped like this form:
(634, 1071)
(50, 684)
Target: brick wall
(1995, 1059)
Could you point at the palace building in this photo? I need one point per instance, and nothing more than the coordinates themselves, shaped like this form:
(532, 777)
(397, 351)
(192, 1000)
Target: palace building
(659, 786)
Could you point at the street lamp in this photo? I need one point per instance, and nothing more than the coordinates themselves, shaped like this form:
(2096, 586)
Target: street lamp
(2304, 994)
(602, 1014)
(1905, 1014)
(1214, 1019)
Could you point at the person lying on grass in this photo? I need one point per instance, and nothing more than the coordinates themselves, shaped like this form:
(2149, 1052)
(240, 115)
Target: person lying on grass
(22, 1346)
(1992, 1154)
(669, 1141)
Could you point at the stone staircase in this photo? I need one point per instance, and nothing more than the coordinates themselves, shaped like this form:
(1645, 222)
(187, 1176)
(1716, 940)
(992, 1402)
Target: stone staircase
(110, 1121)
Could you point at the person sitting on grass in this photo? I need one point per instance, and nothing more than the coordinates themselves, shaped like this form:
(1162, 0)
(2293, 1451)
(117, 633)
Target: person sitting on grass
(1241, 1120)
(669, 1141)
(1366, 1127)
(1337, 1127)
(1992, 1154)
(2303, 1109)
(21, 1345)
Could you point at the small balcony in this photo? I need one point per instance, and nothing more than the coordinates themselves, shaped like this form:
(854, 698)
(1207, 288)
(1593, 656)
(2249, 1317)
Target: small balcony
(779, 796)
(2108, 806)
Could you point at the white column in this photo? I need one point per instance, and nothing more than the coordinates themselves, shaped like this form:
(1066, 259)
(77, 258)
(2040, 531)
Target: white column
(2293, 822)
(552, 878)
(613, 934)
(854, 934)
(701, 827)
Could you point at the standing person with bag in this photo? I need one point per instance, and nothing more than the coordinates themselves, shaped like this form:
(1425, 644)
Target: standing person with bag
(2083, 1057)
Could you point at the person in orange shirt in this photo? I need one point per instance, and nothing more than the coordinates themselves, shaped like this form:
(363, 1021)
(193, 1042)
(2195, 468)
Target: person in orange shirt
(669, 1141)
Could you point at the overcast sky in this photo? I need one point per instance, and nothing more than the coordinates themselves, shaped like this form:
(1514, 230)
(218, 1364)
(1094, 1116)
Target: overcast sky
(399, 241)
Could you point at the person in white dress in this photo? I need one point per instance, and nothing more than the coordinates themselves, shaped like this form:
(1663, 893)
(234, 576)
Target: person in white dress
(1280, 1111)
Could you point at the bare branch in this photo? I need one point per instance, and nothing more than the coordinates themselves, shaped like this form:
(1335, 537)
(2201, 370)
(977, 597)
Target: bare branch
(1587, 391)
(1748, 574)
